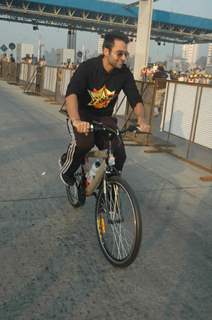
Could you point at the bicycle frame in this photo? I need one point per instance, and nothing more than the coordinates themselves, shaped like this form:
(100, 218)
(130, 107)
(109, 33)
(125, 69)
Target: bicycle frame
(105, 168)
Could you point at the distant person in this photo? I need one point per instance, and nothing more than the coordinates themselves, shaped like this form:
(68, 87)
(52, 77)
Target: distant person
(160, 73)
(144, 74)
(5, 58)
(73, 67)
(12, 59)
(68, 65)
(160, 76)
(42, 62)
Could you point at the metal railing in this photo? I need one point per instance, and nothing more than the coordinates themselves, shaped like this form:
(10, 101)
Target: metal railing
(187, 122)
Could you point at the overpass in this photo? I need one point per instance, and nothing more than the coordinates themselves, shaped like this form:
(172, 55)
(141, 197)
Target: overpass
(102, 16)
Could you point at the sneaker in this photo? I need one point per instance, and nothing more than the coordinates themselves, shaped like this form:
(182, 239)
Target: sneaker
(67, 180)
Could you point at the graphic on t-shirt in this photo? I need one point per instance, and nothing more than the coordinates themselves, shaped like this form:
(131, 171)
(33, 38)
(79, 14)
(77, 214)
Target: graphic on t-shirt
(101, 97)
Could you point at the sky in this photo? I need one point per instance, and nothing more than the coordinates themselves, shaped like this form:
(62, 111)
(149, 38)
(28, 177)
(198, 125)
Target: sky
(57, 38)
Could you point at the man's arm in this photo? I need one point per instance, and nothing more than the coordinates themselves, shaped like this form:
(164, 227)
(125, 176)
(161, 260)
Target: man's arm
(135, 101)
(139, 112)
(73, 113)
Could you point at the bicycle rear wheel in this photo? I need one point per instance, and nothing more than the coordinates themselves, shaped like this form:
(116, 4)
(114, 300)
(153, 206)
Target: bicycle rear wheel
(118, 222)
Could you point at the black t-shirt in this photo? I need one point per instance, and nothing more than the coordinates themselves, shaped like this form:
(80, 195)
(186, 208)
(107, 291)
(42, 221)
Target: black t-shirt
(97, 90)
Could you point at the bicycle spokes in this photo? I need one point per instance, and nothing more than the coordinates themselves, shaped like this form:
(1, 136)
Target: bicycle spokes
(117, 223)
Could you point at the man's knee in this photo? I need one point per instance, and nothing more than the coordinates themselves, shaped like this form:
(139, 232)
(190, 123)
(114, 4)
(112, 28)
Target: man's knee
(120, 156)
(85, 143)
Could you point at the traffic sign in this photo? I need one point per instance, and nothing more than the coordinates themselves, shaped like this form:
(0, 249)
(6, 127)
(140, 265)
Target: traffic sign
(4, 48)
(79, 54)
(12, 46)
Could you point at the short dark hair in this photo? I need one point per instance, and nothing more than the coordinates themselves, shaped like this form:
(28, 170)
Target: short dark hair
(109, 39)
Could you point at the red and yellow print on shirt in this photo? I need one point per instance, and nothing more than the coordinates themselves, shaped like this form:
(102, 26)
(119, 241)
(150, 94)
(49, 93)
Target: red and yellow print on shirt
(100, 98)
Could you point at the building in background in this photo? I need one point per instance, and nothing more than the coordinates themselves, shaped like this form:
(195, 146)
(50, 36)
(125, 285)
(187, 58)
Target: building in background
(65, 55)
(190, 53)
(177, 64)
(51, 57)
(72, 41)
(100, 44)
(23, 50)
(209, 59)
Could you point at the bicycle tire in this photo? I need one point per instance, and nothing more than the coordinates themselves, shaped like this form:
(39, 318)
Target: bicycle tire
(105, 214)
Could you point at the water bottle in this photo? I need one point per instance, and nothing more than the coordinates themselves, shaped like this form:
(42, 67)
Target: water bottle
(92, 172)
(111, 160)
(94, 177)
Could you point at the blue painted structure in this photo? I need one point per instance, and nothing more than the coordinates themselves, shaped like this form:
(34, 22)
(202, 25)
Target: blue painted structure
(101, 16)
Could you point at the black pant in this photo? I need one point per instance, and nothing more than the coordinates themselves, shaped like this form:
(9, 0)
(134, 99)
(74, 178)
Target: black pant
(81, 144)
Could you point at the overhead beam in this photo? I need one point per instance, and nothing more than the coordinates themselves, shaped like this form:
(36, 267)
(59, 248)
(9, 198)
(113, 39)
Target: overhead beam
(24, 12)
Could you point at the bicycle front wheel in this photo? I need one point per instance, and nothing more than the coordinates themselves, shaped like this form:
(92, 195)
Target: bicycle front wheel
(118, 222)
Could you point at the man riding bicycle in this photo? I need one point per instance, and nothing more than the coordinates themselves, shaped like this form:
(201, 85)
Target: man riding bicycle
(91, 95)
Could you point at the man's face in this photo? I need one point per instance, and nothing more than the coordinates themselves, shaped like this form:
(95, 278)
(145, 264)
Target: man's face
(118, 54)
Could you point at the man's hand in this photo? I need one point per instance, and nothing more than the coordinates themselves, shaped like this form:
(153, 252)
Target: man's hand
(143, 126)
(81, 126)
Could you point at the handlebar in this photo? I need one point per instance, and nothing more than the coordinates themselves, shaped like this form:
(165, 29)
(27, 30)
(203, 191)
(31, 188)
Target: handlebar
(99, 126)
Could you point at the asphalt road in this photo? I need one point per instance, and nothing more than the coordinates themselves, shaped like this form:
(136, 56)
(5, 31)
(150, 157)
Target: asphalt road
(51, 266)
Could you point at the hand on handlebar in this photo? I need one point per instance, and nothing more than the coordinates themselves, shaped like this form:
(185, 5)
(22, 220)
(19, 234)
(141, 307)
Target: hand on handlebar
(143, 126)
(81, 126)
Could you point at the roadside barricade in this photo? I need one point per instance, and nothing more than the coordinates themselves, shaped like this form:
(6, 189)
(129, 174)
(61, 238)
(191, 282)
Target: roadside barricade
(63, 79)
(187, 122)
(49, 78)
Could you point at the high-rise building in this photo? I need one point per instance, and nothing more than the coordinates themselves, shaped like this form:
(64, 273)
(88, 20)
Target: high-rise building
(190, 53)
(100, 44)
(72, 41)
(209, 58)
(23, 50)
(63, 55)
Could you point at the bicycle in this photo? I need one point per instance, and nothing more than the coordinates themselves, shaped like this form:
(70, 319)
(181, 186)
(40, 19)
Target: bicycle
(117, 214)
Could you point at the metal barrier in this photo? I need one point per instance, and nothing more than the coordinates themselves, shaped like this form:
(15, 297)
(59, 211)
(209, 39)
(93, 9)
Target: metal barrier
(66, 76)
(50, 78)
(187, 122)
(5, 70)
(63, 79)
(9, 72)
(24, 72)
(32, 71)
